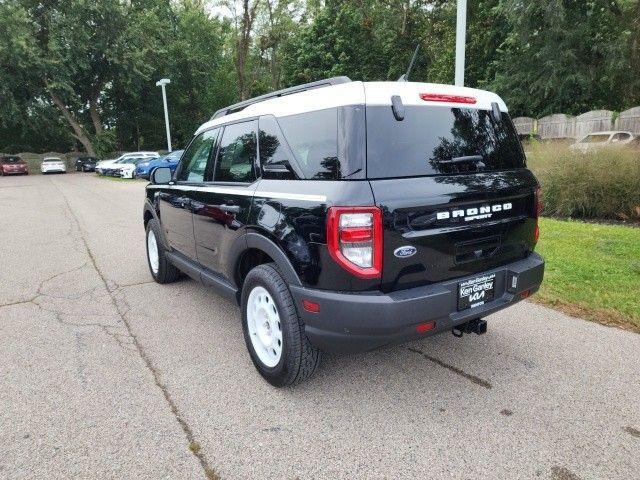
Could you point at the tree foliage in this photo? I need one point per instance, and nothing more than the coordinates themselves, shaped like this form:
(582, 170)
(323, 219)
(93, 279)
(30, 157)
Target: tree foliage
(81, 73)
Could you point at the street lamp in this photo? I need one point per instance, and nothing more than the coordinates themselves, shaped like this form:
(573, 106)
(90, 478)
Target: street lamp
(162, 83)
(461, 30)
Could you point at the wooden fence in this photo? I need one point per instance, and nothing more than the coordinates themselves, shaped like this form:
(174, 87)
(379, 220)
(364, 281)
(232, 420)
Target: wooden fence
(560, 126)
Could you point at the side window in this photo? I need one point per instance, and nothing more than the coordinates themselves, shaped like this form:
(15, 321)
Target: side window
(275, 157)
(618, 137)
(237, 154)
(195, 158)
(313, 137)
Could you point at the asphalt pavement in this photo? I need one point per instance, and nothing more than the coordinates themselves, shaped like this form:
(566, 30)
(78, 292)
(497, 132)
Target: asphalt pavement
(105, 374)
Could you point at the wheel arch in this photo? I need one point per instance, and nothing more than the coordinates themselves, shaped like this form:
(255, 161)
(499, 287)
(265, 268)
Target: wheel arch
(150, 212)
(253, 249)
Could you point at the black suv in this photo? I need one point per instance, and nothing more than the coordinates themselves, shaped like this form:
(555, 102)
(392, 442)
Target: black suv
(86, 164)
(345, 216)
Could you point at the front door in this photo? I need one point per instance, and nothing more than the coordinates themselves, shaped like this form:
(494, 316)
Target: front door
(221, 209)
(176, 200)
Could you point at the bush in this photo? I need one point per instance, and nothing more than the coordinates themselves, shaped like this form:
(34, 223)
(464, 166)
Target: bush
(603, 184)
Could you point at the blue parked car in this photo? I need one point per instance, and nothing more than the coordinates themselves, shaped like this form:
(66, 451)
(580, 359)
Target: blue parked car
(144, 169)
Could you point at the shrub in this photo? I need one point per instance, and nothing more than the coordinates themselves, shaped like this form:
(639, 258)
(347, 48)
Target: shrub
(603, 184)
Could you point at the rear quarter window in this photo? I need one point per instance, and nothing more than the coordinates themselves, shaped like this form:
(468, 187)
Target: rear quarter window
(313, 138)
(421, 144)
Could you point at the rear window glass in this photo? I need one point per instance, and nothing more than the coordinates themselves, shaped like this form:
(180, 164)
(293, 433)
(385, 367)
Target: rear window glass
(313, 138)
(428, 138)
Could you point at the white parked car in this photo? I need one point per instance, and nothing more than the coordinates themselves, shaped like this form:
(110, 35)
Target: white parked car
(125, 167)
(53, 165)
(605, 139)
(105, 164)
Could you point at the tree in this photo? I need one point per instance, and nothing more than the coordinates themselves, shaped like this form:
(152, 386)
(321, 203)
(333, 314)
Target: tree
(563, 56)
(72, 52)
(243, 21)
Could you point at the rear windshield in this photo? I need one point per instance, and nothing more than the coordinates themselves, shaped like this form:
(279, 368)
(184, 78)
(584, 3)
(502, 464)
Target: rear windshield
(429, 138)
(10, 159)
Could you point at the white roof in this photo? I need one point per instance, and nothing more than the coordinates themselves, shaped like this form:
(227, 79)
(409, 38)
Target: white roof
(51, 158)
(358, 93)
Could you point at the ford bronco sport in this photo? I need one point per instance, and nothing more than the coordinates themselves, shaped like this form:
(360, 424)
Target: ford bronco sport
(345, 216)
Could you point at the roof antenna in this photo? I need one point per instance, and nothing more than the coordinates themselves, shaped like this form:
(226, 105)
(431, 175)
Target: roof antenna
(405, 77)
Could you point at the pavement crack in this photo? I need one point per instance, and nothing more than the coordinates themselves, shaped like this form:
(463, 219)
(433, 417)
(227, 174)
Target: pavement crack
(209, 472)
(136, 284)
(632, 431)
(19, 302)
(477, 380)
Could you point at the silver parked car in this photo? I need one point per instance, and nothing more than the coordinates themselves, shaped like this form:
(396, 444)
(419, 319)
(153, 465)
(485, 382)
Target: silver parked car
(605, 139)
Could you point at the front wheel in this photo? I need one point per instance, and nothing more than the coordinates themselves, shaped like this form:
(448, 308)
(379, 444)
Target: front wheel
(273, 331)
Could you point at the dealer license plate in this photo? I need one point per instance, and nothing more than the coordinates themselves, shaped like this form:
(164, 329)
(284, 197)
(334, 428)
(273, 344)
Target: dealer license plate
(476, 291)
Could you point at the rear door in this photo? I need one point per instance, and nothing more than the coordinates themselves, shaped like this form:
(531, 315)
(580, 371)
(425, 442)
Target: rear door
(221, 208)
(455, 194)
(176, 200)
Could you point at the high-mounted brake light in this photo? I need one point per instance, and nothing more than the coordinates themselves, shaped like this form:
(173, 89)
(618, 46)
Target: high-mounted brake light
(354, 239)
(443, 97)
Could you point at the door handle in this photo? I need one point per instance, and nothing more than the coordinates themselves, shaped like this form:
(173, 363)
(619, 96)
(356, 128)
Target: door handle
(229, 208)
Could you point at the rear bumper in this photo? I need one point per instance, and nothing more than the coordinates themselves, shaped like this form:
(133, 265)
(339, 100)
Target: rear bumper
(352, 322)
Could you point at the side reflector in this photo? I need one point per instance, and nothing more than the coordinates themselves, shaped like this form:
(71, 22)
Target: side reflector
(310, 306)
(425, 327)
(441, 97)
(525, 294)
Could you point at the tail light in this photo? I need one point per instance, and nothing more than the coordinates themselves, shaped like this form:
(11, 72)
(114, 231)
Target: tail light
(354, 239)
(538, 211)
(443, 97)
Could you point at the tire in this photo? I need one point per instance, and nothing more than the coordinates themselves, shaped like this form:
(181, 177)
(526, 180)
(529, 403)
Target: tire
(298, 358)
(162, 271)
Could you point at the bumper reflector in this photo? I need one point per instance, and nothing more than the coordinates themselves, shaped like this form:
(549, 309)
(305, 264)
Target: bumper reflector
(425, 327)
(310, 306)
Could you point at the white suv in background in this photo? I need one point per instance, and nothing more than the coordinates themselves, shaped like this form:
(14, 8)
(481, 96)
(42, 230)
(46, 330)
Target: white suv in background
(53, 165)
(598, 140)
(101, 166)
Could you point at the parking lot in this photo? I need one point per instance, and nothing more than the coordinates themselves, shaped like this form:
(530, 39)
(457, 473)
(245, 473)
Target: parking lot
(105, 374)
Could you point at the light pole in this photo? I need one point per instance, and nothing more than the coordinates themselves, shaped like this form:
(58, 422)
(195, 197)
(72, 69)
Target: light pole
(461, 30)
(162, 83)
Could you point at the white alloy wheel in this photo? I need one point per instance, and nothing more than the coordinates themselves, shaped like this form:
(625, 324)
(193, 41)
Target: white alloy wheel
(263, 324)
(152, 251)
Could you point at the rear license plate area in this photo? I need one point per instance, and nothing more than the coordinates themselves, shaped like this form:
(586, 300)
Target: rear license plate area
(476, 291)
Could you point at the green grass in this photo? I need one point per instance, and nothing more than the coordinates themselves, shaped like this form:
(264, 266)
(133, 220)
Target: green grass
(603, 184)
(592, 270)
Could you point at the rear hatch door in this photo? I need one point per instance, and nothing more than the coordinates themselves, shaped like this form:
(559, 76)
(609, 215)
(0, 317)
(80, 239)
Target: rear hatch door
(451, 181)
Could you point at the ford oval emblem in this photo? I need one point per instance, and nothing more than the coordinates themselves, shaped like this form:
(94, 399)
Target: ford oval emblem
(405, 252)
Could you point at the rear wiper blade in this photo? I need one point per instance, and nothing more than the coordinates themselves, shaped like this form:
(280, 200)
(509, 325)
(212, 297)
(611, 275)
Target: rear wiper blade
(467, 159)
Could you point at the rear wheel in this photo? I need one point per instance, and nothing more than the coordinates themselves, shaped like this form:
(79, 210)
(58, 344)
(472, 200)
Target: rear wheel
(160, 268)
(273, 331)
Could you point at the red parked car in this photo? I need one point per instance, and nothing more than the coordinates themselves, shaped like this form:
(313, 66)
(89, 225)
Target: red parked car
(13, 165)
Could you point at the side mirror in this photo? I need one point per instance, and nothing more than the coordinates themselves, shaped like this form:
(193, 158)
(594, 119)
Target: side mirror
(161, 176)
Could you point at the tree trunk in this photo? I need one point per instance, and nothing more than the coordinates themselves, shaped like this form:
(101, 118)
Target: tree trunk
(95, 116)
(79, 132)
(243, 42)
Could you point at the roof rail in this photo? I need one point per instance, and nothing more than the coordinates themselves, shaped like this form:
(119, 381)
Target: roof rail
(236, 107)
